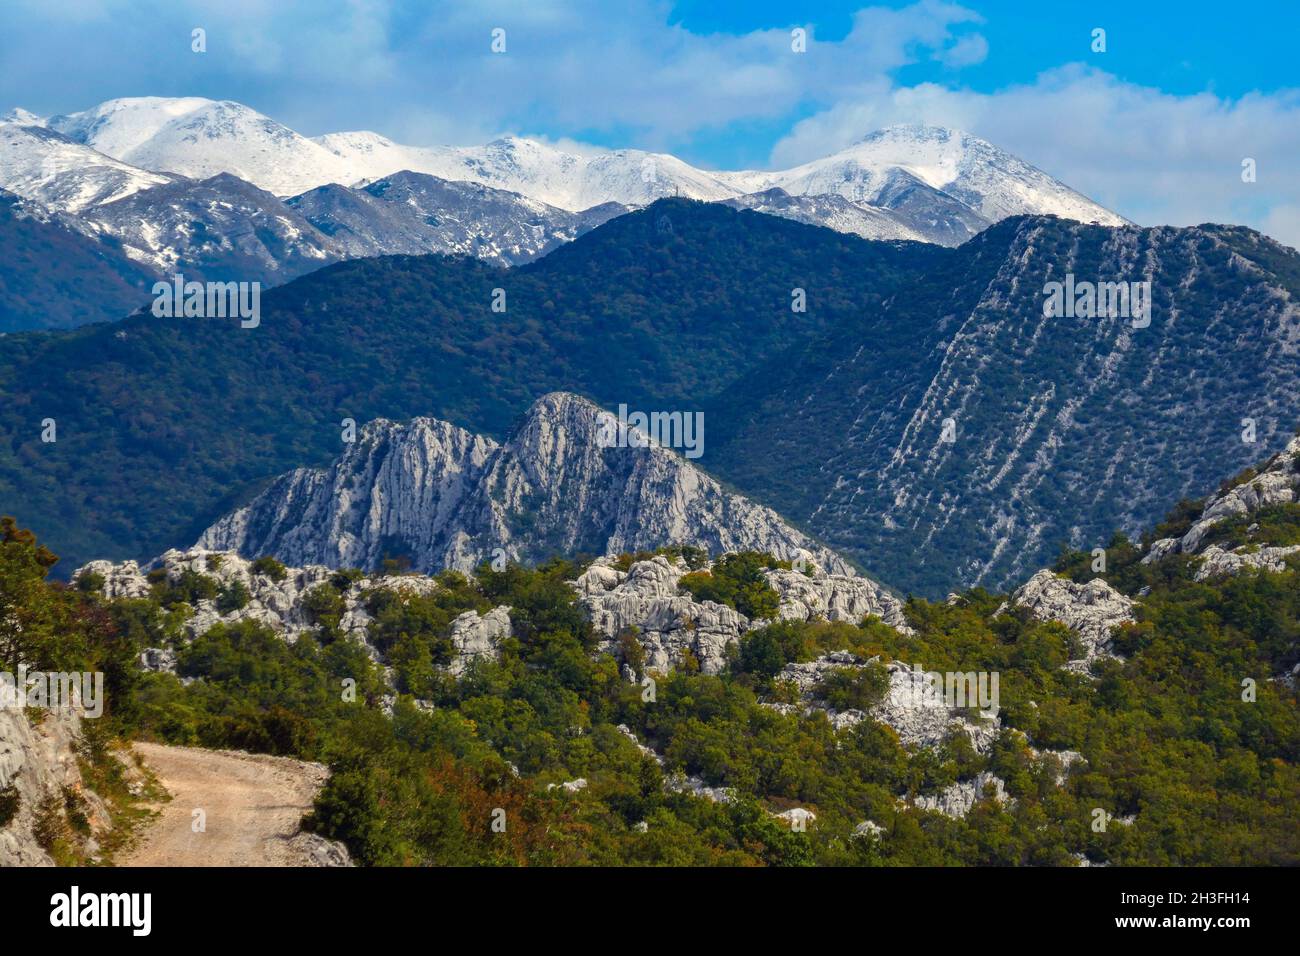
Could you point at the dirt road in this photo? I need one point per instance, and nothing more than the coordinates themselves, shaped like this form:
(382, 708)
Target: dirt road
(251, 804)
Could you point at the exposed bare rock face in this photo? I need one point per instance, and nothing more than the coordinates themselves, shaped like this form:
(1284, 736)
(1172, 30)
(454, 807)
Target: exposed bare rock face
(448, 499)
(277, 604)
(796, 818)
(960, 798)
(1276, 484)
(835, 597)
(668, 623)
(38, 759)
(1042, 411)
(1091, 610)
(477, 637)
(920, 716)
(645, 600)
(1216, 562)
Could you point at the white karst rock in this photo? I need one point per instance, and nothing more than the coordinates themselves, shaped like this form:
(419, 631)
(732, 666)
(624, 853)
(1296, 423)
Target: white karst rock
(912, 708)
(40, 761)
(958, 799)
(446, 498)
(797, 818)
(1216, 562)
(1276, 484)
(477, 638)
(647, 601)
(834, 597)
(919, 712)
(868, 829)
(1091, 610)
(280, 605)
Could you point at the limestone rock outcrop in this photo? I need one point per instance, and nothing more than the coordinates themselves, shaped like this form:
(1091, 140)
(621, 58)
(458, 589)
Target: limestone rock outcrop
(38, 760)
(281, 603)
(1092, 610)
(476, 637)
(1276, 484)
(647, 600)
(958, 800)
(570, 478)
(1216, 562)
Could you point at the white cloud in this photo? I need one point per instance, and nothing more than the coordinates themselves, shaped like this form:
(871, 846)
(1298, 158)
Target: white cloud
(967, 51)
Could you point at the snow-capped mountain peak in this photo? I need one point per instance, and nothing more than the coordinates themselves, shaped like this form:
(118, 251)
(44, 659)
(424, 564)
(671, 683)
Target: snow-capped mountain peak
(22, 117)
(44, 165)
(989, 180)
(924, 182)
(200, 138)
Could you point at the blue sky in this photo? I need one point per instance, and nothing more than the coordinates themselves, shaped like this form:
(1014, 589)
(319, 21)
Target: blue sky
(1156, 127)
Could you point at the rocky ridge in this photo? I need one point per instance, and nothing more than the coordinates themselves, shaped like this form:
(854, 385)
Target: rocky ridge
(445, 498)
(1276, 484)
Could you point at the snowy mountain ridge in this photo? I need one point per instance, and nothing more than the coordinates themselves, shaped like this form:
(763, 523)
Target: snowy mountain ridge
(195, 137)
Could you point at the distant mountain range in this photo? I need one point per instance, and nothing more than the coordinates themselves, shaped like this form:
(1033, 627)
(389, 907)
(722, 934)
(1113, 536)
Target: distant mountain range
(838, 417)
(219, 191)
(198, 138)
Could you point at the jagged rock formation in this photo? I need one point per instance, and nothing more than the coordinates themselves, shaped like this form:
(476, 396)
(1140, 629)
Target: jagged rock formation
(668, 623)
(38, 759)
(318, 851)
(448, 499)
(922, 718)
(1275, 485)
(834, 597)
(796, 818)
(1248, 548)
(1216, 562)
(1091, 610)
(276, 604)
(281, 605)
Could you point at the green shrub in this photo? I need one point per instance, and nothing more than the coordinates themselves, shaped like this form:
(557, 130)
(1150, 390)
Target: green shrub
(233, 597)
(269, 566)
